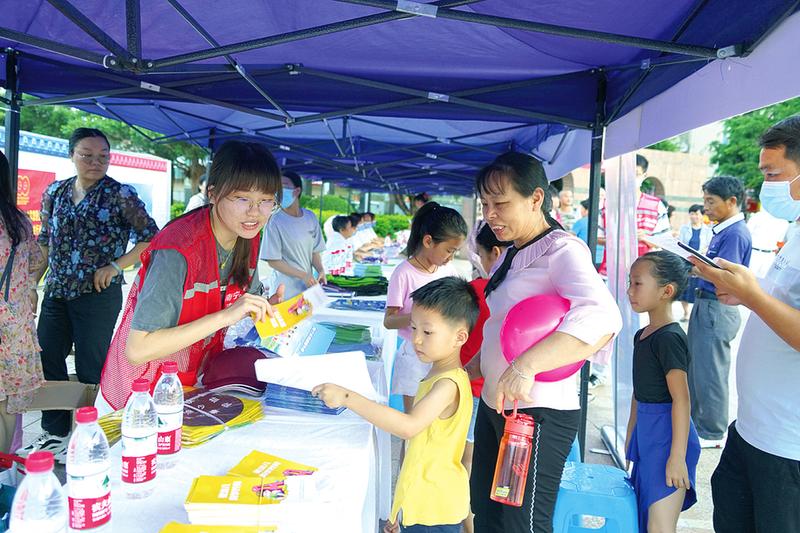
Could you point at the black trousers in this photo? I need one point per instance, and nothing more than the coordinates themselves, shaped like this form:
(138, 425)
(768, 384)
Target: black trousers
(88, 323)
(754, 491)
(554, 432)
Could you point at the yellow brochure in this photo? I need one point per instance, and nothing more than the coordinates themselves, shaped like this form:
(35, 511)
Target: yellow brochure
(269, 467)
(288, 314)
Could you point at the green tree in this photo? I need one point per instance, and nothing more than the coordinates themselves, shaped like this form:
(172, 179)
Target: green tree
(59, 121)
(667, 145)
(737, 154)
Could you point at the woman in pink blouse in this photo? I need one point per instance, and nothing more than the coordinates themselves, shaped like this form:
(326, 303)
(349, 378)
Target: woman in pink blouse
(544, 259)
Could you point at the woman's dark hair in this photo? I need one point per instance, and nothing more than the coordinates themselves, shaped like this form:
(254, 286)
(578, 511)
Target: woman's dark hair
(696, 208)
(725, 187)
(84, 133)
(16, 223)
(243, 166)
(525, 173)
(441, 223)
(668, 268)
(422, 197)
(487, 240)
(340, 222)
(785, 133)
(356, 218)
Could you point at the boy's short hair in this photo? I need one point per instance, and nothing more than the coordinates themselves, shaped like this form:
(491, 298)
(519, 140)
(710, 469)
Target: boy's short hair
(585, 204)
(295, 178)
(340, 222)
(451, 297)
(725, 187)
(696, 208)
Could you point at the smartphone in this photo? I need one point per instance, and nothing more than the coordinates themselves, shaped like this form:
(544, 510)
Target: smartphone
(704, 258)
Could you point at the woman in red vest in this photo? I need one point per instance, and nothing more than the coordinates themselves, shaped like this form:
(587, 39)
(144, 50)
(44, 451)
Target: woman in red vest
(198, 276)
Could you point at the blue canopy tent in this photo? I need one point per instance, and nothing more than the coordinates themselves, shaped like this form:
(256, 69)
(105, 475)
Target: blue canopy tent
(400, 95)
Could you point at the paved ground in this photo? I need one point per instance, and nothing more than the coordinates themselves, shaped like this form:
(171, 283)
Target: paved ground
(695, 520)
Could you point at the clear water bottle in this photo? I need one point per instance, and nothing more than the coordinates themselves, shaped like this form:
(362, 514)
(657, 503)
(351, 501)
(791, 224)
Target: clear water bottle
(168, 398)
(88, 482)
(139, 442)
(39, 505)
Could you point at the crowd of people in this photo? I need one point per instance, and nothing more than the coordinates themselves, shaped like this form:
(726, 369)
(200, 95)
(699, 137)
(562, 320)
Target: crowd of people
(198, 276)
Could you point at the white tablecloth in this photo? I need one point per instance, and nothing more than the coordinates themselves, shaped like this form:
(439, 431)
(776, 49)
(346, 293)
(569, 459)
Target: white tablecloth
(343, 447)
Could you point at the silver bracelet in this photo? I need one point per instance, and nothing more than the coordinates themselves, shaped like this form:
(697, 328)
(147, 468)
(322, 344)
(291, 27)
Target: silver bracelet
(116, 267)
(517, 372)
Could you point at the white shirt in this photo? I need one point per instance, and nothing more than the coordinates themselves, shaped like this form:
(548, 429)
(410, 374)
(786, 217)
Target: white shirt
(336, 242)
(768, 369)
(766, 231)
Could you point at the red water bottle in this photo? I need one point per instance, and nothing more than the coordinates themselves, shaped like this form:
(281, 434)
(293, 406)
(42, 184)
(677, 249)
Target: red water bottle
(513, 459)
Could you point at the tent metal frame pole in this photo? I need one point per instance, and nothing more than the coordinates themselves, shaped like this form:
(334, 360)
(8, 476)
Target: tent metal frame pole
(51, 46)
(185, 133)
(70, 98)
(649, 68)
(93, 31)
(595, 170)
(133, 29)
(453, 98)
(564, 31)
(12, 121)
(282, 38)
(469, 92)
(235, 64)
(439, 140)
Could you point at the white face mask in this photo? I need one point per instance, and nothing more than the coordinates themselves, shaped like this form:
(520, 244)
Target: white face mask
(776, 197)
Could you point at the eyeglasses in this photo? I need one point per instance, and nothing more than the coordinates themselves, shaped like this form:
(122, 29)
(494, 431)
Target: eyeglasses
(103, 159)
(244, 205)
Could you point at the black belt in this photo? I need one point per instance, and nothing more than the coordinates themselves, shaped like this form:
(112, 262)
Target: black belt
(707, 295)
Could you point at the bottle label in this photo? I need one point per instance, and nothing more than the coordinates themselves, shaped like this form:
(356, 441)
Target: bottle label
(89, 513)
(170, 427)
(502, 492)
(139, 458)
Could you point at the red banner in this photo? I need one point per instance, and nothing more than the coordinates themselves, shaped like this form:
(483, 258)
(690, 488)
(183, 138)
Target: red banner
(30, 187)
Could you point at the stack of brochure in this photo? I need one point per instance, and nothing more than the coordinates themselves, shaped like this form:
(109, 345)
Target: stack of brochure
(239, 498)
(206, 414)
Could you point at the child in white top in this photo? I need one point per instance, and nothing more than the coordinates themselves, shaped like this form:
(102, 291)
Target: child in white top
(437, 232)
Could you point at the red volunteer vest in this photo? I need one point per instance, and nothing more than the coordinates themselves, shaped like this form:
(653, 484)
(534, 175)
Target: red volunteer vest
(190, 235)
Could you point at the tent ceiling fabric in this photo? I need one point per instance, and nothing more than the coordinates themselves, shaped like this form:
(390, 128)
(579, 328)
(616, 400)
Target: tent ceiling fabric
(427, 100)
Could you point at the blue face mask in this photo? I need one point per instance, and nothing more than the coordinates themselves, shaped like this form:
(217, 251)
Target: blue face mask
(776, 197)
(287, 198)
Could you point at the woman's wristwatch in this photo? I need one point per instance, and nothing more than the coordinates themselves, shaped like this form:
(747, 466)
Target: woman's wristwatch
(116, 267)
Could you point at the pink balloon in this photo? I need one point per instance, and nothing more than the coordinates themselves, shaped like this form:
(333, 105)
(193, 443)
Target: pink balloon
(530, 321)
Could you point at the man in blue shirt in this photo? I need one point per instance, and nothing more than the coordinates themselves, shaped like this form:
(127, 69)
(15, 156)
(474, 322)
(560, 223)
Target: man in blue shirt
(712, 325)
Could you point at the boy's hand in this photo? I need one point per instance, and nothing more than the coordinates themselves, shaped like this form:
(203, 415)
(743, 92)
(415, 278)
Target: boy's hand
(677, 473)
(391, 527)
(334, 396)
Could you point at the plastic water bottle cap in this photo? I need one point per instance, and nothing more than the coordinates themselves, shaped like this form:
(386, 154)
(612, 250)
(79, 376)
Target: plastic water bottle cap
(39, 462)
(169, 367)
(86, 415)
(141, 385)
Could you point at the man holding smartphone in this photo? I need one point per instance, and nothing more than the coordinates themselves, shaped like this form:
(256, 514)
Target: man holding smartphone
(756, 486)
(713, 325)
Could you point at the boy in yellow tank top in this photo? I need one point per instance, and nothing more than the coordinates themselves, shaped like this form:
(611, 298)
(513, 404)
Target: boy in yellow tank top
(432, 491)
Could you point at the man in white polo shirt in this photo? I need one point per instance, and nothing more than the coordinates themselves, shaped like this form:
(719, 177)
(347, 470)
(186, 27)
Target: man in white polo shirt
(756, 486)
